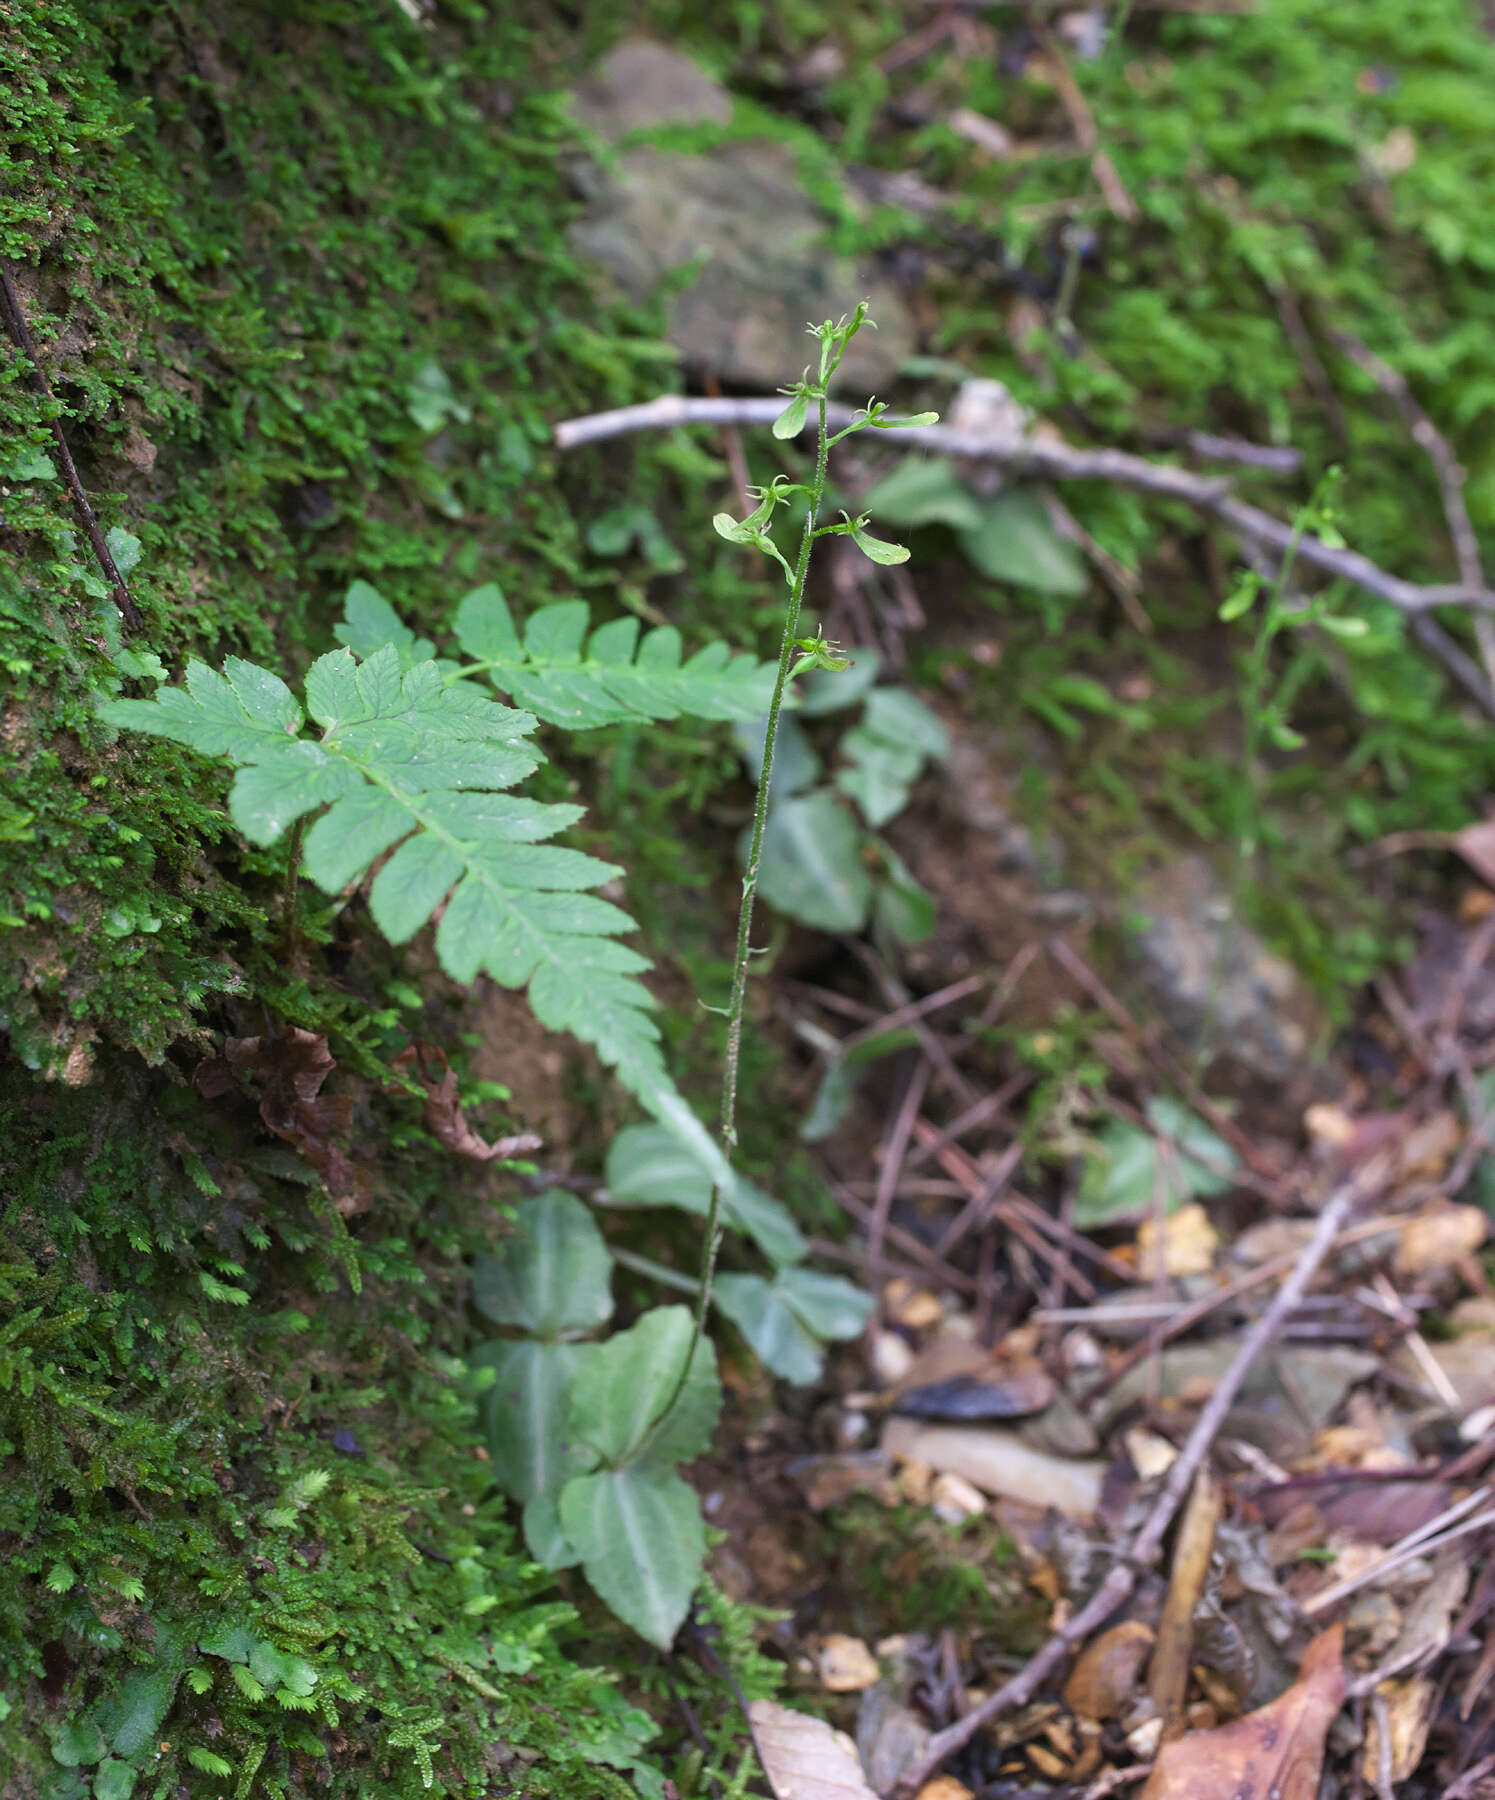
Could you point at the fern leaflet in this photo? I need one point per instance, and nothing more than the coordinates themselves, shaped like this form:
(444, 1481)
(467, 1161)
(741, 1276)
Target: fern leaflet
(611, 678)
(417, 761)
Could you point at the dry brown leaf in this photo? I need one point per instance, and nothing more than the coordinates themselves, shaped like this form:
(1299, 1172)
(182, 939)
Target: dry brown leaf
(804, 1758)
(1104, 1678)
(444, 1117)
(1274, 1753)
(289, 1071)
(1428, 1148)
(1440, 1238)
(1187, 1247)
(1409, 1710)
(944, 1787)
(1476, 844)
(1168, 1674)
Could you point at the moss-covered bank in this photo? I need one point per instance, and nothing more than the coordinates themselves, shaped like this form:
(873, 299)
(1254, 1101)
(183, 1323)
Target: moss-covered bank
(300, 291)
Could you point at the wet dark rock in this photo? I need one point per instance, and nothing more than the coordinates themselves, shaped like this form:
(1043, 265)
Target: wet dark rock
(964, 1399)
(1221, 992)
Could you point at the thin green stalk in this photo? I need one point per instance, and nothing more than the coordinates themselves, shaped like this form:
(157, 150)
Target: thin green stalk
(833, 342)
(737, 1001)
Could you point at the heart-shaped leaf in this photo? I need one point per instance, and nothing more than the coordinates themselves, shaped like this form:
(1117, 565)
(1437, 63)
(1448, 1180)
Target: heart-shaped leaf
(812, 865)
(774, 1331)
(622, 1387)
(555, 1274)
(526, 1413)
(647, 1166)
(641, 1542)
(1015, 542)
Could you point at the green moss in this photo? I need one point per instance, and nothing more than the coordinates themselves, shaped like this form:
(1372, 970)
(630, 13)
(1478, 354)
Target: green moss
(243, 1511)
(302, 295)
(293, 338)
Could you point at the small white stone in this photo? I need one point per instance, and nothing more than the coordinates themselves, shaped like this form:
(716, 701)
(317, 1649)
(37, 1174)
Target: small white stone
(889, 1357)
(953, 1500)
(1144, 1740)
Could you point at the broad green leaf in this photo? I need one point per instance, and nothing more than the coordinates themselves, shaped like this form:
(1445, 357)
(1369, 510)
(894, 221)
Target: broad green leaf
(904, 911)
(1016, 543)
(924, 490)
(554, 1276)
(526, 1414)
(543, 1536)
(839, 1082)
(642, 1544)
(765, 1220)
(649, 1166)
(812, 866)
(77, 1741)
(899, 905)
(1128, 1171)
(822, 691)
(124, 547)
(832, 1102)
(280, 1669)
(1209, 1163)
(828, 1305)
(795, 764)
(622, 1387)
(27, 462)
(115, 1780)
(774, 1330)
(232, 1642)
(899, 717)
(878, 774)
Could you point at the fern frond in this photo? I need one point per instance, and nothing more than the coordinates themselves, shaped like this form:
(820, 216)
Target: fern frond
(610, 678)
(416, 762)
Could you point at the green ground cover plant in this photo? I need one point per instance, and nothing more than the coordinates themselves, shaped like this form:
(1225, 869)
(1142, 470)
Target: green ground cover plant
(306, 357)
(408, 759)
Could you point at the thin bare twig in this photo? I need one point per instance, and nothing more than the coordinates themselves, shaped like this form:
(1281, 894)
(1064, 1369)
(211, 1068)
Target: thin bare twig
(990, 1106)
(1082, 122)
(1453, 1522)
(1184, 1318)
(895, 994)
(1044, 458)
(20, 334)
(894, 1149)
(1070, 960)
(915, 1009)
(908, 1245)
(1451, 478)
(1278, 459)
(1122, 581)
(886, 1266)
(1145, 1546)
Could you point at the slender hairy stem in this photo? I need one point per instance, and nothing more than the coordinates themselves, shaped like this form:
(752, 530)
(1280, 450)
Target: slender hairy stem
(830, 355)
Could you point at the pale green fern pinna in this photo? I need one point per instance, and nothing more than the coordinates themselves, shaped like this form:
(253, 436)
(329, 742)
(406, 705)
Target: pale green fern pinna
(409, 756)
